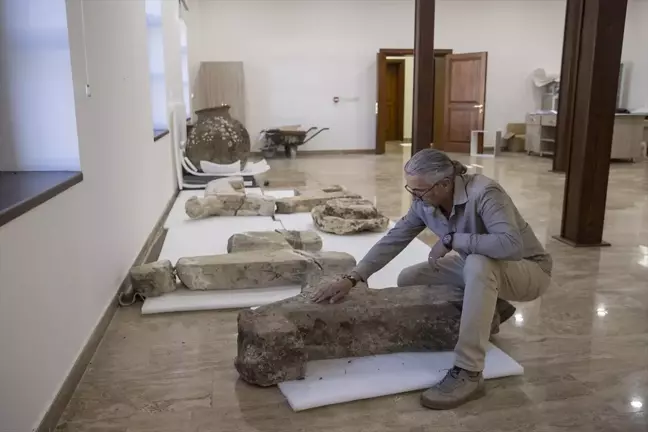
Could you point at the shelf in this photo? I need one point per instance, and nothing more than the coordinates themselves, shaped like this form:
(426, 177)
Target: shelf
(551, 140)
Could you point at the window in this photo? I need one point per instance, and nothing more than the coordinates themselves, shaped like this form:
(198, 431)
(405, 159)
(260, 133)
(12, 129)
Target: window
(184, 52)
(156, 65)
(38, 130)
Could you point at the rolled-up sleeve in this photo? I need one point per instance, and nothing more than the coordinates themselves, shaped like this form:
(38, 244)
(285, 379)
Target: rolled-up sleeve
(405, 230)
(503, 240)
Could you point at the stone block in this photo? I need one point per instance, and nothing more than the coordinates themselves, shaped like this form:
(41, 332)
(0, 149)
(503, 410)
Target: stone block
(229, 185)
(153, 279)
(260, 269)
(230, 204)
(257, 205)
(257, 240)
(253, 269)
(275, 341)
(306, 201)
(348, 216)
(308, 241)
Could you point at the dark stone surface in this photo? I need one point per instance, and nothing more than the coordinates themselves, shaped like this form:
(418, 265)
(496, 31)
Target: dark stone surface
(218, 138)
(275, 341)
(22, 191)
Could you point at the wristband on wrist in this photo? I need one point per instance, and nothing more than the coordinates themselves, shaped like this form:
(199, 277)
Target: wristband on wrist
(353, 278)
(447, 240)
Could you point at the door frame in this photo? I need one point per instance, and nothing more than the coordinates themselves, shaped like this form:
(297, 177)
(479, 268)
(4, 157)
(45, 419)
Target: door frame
(400, 102)
(381, 89)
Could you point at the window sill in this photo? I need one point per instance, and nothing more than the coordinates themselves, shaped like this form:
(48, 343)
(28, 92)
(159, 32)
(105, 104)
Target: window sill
(25, 190)
(159, 133)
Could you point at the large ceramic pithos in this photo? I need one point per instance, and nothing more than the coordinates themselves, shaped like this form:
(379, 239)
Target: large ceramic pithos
(218, 138)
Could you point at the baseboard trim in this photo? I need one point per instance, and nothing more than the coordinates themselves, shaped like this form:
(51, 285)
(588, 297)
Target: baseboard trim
(151, 247)
(327, 152)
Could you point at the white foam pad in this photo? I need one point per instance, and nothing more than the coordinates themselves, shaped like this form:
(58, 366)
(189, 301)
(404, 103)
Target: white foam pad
(336, 381)
(183, 300)
(358, 245)
(209, 236)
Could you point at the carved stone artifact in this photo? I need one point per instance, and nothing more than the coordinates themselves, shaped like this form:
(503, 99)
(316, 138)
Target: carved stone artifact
(308, 241)
(218, 138)
(260, 268)
(275, 341)
(230, 204)
(153, 279)
(348, 216)
(307, 199)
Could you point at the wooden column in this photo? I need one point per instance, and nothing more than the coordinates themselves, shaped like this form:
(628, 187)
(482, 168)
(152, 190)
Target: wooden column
(423, 110)
(590, 117)
(566, 102)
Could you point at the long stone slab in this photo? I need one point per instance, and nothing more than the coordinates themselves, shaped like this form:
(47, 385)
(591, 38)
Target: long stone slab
(308, 241)
(310, 199)
(275, 341)
(259, 269)
(230, 204)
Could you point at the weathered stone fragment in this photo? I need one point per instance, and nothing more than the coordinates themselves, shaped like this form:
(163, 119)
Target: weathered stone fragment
(226, 185)
(153, 279)
(275, 341)
(257, 240)
(257, 205)
(308, 241)
(258, 269)
(306, 200)
(348, 216)
(230, 204)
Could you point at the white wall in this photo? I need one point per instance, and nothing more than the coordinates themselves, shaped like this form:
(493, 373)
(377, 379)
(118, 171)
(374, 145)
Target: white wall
(37, 119)
(61, 263)
(311, 51)
(635, 55)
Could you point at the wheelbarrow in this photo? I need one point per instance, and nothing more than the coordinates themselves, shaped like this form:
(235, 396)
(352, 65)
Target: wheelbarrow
(289, 139)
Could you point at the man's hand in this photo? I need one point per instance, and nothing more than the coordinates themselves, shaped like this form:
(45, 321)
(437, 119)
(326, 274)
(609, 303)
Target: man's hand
(437, 252)
(333, 292)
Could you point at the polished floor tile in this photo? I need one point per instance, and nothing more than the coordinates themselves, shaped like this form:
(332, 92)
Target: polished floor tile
(584, 345)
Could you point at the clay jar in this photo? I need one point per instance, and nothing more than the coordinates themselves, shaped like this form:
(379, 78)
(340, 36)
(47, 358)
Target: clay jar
(218, 138)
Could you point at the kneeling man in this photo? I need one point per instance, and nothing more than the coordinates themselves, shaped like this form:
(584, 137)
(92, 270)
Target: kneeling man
(498, 258)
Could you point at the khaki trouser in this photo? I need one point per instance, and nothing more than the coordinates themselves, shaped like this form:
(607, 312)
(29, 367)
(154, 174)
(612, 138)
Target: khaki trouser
(483, 280)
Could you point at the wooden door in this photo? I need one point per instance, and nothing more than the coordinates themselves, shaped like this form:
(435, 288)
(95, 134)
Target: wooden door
(465, 99)
(394, 103)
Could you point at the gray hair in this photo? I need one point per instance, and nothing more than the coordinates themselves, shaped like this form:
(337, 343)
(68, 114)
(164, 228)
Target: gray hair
(433, 165)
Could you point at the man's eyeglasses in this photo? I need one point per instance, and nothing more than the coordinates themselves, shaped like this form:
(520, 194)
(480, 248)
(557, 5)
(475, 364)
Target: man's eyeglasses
(417, 193)
(420, 194)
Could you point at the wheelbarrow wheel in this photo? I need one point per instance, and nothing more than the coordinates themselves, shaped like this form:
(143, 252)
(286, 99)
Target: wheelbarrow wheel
(291, 151)
(268, 153)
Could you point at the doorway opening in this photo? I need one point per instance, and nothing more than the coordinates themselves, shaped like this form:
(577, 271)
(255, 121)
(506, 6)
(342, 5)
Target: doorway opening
(395, 100)
(459, 98)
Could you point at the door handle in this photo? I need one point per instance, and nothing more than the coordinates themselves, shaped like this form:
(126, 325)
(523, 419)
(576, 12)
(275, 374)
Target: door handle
(479, 106)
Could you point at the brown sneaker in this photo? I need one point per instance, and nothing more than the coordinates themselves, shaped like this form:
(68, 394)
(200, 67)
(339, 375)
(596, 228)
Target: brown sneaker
(456, 388)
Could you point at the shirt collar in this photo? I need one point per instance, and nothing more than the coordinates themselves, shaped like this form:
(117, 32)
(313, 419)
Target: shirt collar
(460, 195)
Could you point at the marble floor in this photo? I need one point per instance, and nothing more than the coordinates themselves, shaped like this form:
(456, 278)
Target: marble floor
(584, 345)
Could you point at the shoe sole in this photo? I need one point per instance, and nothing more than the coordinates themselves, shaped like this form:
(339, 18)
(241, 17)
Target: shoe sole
(442, 406)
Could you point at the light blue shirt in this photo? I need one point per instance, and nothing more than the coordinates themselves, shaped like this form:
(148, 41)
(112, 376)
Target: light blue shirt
(484, 221)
